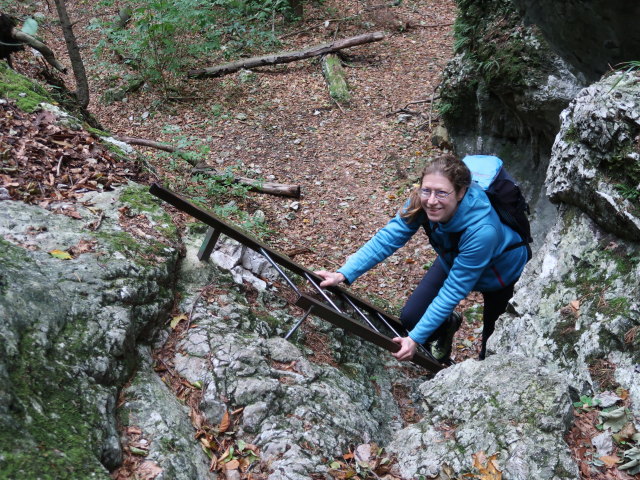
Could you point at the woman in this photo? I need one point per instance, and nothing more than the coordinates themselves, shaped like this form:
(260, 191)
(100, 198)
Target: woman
(474, 253)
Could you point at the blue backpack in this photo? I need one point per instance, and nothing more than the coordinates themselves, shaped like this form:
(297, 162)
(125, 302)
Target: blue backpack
(505, 197)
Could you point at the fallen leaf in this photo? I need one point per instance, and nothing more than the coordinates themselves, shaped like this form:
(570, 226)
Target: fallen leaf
(148, 470)
(177, 319)
(626, 434)
(232, 465)
(610, 460)
(224, 423)
(138, 451)
(615, 419)
(61, 254)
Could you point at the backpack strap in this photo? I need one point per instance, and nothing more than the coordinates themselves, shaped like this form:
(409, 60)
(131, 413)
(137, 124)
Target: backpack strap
(454, 236)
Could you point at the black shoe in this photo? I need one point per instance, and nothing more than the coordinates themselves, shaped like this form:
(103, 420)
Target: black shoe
(441, 348)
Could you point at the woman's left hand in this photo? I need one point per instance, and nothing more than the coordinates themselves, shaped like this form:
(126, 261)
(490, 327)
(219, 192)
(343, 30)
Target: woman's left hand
(407, 348)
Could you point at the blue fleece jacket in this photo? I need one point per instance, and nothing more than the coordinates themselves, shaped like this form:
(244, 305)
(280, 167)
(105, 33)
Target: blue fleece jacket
(482, 264)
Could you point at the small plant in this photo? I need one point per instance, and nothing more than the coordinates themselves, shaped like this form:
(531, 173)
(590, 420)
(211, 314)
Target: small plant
(586, 403)
(628, 192)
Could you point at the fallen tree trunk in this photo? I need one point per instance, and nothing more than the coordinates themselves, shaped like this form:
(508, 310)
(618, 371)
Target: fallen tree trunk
(148, 143)
(280, 189)
(286, 57)
(271, 188)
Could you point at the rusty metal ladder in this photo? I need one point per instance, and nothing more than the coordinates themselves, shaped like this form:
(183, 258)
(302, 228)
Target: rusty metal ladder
(327, 308)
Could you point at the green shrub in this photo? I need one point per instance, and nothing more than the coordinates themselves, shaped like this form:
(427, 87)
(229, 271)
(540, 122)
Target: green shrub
(165, 38)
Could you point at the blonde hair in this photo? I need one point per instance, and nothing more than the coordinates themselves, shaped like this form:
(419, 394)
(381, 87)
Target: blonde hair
(450, 167)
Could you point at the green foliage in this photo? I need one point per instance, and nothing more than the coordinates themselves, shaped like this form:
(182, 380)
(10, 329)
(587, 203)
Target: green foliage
(628, 192)
(586, 403)
(165, 38)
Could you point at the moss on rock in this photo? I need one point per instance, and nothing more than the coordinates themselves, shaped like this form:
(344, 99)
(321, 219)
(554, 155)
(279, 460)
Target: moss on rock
(27, 94)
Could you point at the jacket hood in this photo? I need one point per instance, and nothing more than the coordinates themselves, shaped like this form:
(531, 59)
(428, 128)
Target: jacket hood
(474, 206)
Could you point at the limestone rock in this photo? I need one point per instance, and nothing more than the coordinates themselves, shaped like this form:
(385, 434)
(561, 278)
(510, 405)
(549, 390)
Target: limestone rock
(511, 406)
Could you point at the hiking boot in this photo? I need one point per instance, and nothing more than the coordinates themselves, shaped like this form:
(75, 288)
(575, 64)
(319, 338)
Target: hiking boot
(441, 348)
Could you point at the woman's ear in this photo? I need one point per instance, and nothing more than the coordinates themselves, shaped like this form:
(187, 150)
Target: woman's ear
(461, 193)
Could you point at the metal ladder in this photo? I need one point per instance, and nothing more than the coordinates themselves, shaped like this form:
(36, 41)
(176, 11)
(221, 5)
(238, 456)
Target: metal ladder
(373, 321)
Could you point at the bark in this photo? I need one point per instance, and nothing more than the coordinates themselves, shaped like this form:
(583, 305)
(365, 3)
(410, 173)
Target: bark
(82, 90)
(281, 189)
(46, 52)
(286, 57)
(335, 77)
(272, 188)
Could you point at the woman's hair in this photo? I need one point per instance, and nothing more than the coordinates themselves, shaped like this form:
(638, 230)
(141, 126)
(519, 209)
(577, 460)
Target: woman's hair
(446, 165)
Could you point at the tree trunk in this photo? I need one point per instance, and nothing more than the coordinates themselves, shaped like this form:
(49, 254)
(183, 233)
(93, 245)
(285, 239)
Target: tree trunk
(286, 57)
(82, 90)
(335, 77)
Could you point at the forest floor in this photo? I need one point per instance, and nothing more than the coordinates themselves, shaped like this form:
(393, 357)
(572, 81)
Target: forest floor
(355, 163)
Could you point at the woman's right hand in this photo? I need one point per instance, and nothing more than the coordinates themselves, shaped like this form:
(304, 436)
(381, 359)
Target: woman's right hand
(330, 278)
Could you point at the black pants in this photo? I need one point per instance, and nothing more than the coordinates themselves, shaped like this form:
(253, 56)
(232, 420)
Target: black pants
(495, 304)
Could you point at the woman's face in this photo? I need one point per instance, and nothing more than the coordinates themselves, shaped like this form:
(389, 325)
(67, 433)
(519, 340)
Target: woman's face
(438, 197)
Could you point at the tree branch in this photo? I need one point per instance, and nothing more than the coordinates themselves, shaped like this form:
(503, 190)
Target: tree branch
(39, 46)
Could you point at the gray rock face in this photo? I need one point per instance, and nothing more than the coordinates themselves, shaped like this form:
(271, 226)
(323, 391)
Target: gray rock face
(165, 425)
(596, 162)
(591, 36)
(297, 412)
(69, 329)
(503, 94)
(511, 406)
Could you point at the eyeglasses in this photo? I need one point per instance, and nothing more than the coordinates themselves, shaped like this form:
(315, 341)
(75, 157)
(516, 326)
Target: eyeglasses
(440, 194)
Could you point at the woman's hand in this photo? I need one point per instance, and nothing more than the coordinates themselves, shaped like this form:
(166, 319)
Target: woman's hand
(330, 278)
(407, 348)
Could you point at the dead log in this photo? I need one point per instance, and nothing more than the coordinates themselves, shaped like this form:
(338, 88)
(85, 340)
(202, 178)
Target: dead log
(148, 143)
(280, 189)
(286, 57)
(335, 78)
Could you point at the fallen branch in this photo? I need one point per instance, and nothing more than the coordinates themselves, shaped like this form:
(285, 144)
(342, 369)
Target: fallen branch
(149, 143)
(280, 189)
(437, 25)
(285, 57)
(39, 46)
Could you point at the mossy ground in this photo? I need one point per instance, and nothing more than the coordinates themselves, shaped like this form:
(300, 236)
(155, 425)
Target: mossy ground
(27, 94)
(58, 435)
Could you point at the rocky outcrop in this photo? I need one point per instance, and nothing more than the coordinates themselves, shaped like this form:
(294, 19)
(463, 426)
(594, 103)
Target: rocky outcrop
(502, 94)
(578, 305)
(591, 36)
(596, 157)
(511, 406)
(70, 328)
